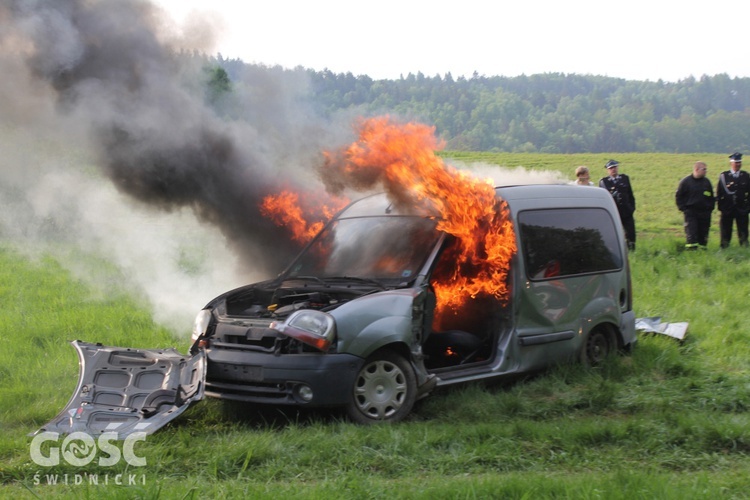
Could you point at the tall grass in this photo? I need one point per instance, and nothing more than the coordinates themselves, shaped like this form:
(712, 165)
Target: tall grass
(670, 420)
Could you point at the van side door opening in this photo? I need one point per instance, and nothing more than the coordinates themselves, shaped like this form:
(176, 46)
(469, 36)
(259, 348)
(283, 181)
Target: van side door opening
(466, 335)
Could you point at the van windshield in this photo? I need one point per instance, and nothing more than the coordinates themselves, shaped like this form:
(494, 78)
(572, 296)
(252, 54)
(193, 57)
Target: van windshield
(369, 247)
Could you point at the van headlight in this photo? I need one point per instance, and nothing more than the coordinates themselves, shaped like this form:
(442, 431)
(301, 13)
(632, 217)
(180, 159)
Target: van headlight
(314, 328)
(200, 325)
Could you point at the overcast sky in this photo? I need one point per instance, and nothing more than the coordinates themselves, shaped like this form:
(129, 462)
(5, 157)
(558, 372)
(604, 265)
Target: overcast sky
(637, 40)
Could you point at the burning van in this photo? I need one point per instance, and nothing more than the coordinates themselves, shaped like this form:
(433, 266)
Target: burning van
(377, 311)
(356, 320)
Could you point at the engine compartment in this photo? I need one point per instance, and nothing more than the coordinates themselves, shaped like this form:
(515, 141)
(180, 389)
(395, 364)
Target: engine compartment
(278, 302)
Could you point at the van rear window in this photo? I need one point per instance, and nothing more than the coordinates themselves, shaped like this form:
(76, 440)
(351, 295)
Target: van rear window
(568, 242)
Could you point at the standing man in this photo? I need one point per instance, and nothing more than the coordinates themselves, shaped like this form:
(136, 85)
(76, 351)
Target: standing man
(695, 199)
(733, 197)
(618, 186)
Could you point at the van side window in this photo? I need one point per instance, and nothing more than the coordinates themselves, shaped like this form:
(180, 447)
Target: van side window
(568, 242)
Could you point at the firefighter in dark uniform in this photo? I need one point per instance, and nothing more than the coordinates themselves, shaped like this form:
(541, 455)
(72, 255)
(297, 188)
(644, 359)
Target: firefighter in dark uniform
(733, 197)
(619, 187)
(695, 199)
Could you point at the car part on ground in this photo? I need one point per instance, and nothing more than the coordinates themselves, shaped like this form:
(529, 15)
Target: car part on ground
(124, 391)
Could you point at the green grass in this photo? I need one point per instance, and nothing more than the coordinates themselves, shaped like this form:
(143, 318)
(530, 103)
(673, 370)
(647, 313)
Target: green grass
(671, 420)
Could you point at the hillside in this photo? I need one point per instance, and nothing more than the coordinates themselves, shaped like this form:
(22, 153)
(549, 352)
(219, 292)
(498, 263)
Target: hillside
(543, 113)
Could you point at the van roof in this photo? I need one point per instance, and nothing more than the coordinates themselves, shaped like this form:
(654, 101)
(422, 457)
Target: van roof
(520, 197)
(555, 196)
(547, 190)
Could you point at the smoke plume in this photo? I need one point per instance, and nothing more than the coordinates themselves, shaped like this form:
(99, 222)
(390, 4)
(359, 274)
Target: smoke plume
(101, 93)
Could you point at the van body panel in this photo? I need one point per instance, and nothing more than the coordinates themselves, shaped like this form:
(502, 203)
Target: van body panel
(367, 324)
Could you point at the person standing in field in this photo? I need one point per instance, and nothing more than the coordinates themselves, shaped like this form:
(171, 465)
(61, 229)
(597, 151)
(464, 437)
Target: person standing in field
(583, 177)
(733, 197)
(619, 187)
(695, 199)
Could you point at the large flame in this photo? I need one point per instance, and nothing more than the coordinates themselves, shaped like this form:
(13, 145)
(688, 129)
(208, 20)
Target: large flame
(402, 159)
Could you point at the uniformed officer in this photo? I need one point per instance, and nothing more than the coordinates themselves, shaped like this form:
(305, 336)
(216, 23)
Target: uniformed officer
(733, 197)
(695, 199)
(619, 187)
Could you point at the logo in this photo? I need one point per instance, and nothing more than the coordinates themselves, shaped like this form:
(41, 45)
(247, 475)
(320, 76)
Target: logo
(80, 449)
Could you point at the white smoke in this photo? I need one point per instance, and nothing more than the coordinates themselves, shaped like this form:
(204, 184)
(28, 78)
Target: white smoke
(510, 176)
(56, 202)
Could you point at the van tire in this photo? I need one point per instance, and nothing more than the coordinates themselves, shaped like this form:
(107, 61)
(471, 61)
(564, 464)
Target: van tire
(597, 347)
(385, 389)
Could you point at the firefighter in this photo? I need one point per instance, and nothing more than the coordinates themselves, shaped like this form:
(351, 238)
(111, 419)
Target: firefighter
(733, 197)
(619, 187)
(695, 199)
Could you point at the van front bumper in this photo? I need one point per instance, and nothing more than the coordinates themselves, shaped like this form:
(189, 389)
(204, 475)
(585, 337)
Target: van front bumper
(310, 379)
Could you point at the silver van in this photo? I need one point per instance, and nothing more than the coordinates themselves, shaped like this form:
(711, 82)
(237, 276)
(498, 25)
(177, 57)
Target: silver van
(339, 329)
(351, 321)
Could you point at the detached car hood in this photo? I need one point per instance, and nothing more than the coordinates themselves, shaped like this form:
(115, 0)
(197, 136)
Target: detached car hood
(123, 391)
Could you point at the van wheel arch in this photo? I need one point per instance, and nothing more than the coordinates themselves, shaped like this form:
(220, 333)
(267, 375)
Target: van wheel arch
(600, 342)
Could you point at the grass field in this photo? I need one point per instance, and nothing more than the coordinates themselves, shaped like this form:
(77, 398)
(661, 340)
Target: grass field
(670, 420)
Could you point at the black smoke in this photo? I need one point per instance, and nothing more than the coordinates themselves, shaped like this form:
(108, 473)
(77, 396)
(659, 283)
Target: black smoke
(137, 98)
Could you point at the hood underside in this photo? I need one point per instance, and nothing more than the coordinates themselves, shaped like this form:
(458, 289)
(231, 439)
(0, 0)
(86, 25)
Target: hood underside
(124, 391)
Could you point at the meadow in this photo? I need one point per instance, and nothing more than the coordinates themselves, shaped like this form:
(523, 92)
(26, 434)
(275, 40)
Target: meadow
(669, 420)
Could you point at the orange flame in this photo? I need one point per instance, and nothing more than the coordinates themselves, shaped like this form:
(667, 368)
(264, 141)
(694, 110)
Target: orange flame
(285, 210)
(402, 159)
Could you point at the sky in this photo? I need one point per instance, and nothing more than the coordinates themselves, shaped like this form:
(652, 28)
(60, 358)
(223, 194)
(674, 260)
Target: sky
(636, 40)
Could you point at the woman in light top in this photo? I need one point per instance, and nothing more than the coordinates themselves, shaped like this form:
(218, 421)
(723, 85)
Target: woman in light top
(582, 177)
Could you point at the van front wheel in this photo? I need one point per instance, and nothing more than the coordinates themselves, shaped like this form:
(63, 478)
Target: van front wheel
(384, 391)
(596, 348)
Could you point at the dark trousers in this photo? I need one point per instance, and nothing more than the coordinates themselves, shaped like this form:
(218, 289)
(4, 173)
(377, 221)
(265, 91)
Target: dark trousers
(628, 223)
(726, 221)
(697, 224)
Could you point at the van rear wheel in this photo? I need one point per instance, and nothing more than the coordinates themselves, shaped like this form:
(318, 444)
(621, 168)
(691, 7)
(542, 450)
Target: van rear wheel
(597, 347)
(384, 391)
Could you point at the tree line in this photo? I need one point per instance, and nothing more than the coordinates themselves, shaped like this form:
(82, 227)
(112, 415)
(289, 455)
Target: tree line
(543, 113)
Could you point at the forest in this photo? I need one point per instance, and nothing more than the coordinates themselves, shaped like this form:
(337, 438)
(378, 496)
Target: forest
(541, 113)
